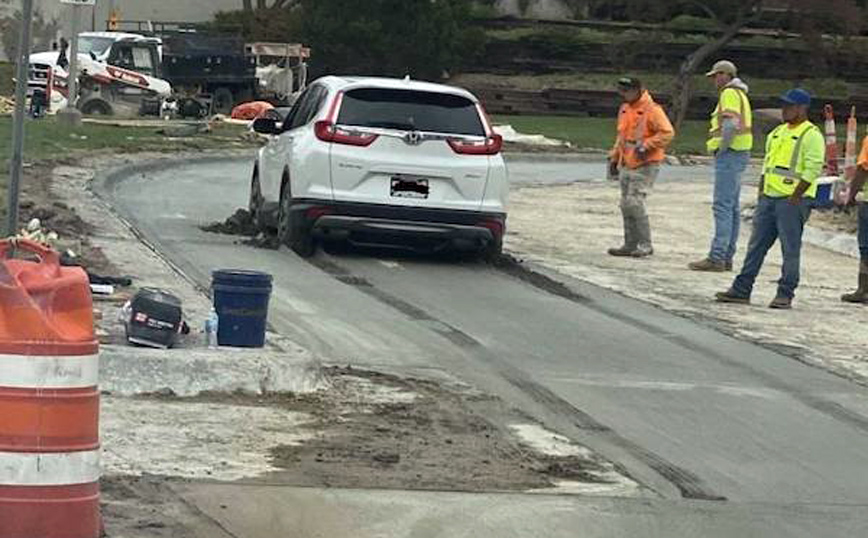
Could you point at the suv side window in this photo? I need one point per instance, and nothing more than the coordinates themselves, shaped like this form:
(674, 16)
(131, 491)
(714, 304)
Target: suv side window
(308, 107)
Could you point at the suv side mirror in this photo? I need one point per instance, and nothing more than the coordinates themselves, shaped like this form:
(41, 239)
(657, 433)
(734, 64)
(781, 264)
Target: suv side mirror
(266, 126)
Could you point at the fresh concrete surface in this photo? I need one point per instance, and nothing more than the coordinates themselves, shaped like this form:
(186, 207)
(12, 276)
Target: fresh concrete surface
(254, 511)
(688, 411)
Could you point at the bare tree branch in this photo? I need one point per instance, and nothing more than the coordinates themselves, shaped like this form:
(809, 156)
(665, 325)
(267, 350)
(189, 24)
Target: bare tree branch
(708, 11)
(746, 14)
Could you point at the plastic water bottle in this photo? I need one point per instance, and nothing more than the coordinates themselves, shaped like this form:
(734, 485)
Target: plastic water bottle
(211, 326)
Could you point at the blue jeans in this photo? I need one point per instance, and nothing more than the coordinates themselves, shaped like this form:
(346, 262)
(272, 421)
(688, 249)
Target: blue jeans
(863, 230)
(775, 218)
(729, 165)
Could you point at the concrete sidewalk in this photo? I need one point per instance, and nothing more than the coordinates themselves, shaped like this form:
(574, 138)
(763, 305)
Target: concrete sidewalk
(261, 511)
(569, 228)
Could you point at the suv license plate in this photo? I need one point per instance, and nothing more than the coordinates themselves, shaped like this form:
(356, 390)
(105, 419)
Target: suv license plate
(403, 187)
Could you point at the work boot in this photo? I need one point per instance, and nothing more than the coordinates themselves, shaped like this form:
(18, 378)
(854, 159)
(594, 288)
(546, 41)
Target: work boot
(629, 245)
(643, 237)
(730, 296)
(622, 251)
(861, 293)
(707, 265)
(781, 303)
(642, 251)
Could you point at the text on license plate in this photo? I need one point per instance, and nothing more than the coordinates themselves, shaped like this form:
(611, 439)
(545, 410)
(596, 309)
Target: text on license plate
(403, 187)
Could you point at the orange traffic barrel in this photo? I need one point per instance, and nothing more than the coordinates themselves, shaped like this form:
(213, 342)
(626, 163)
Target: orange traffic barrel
(49, 397)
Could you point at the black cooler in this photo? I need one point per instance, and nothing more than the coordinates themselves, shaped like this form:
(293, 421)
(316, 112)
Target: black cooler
(155, 318)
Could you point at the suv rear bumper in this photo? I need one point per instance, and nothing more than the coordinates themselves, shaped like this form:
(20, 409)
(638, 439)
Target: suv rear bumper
(412, 227)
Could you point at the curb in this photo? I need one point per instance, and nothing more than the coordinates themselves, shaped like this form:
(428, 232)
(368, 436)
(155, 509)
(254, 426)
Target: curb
(838, 242)
(130, 371)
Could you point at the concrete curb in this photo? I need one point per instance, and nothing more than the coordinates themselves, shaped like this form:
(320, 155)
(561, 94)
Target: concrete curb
(842, 243)
(130, 371)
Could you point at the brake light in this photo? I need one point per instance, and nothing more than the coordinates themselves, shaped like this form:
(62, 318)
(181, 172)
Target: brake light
(329, 132)
(495, 226)
(492, 145)
(316, 212)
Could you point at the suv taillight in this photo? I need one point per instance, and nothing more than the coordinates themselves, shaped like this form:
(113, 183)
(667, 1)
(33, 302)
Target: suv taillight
(492, 145)
(329, 132)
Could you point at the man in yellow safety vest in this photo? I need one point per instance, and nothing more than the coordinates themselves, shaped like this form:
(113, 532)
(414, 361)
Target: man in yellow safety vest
(730, 141)
(795, 153)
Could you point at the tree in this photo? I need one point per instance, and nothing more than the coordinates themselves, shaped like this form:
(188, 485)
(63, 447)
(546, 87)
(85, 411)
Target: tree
(247, 5)
(811, 18)
(744, 12)
(44, 30)
(420, 38)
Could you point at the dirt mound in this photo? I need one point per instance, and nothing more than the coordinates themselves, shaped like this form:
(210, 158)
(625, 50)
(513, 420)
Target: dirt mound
(240, 223)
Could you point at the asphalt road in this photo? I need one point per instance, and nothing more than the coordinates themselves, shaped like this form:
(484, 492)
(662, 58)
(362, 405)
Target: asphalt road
(739, 440)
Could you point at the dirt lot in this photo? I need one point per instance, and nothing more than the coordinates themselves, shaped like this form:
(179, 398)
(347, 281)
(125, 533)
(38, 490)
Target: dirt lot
(569, 228)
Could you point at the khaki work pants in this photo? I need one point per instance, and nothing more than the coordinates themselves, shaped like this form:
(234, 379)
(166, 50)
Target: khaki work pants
(636, 185)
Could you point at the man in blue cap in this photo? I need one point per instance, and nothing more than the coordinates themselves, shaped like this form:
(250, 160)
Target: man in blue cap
(795, 153)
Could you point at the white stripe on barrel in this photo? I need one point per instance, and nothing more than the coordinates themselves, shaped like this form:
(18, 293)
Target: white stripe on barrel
(48, 372)
(63, 469)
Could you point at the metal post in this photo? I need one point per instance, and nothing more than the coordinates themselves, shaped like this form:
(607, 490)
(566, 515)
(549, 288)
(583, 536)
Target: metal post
(18, 126)
(111, 10)
(71, 116)
(73, 57)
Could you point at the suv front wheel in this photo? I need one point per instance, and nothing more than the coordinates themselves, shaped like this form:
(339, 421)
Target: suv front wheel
(290, 233)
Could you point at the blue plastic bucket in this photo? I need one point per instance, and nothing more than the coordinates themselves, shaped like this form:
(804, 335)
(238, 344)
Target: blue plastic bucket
(241, 300)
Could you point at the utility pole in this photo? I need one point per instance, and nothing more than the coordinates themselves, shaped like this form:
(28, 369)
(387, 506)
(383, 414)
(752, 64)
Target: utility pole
(111, 12)
(17, 161)
(71, 115)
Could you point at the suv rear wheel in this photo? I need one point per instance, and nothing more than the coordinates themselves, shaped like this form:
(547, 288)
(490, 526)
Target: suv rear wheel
(289, 233)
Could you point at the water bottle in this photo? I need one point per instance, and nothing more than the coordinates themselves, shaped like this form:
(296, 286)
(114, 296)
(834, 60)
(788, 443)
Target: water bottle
(211, 326)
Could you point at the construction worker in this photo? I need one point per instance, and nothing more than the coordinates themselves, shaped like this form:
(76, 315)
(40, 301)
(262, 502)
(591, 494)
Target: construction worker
(859, 193)
(795, 153)
(644, 133)
(730, 141)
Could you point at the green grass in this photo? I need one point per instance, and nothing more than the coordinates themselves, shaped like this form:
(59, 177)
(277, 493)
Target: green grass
(7, 88)
(599, 133)
(46, 139)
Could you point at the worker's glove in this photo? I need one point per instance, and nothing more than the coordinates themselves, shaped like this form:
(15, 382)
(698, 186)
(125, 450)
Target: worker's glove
(613, 170)
(641, 153)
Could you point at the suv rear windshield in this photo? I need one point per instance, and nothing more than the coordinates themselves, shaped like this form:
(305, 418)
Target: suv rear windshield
(411, 111)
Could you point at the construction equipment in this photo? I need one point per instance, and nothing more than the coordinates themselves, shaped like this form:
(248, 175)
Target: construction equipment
(281, 69)
(134, 73)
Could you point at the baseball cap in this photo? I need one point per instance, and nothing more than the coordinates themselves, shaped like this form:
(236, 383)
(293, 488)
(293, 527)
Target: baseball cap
(796, 96)
(629, 83)
(723, 66)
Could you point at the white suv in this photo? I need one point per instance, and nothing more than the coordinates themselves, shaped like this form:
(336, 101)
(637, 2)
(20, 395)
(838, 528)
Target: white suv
(378, 161)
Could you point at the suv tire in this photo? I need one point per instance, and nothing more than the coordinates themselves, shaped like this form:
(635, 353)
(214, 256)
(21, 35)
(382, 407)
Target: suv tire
(493, 252)
(255, 201)
(289, 233)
